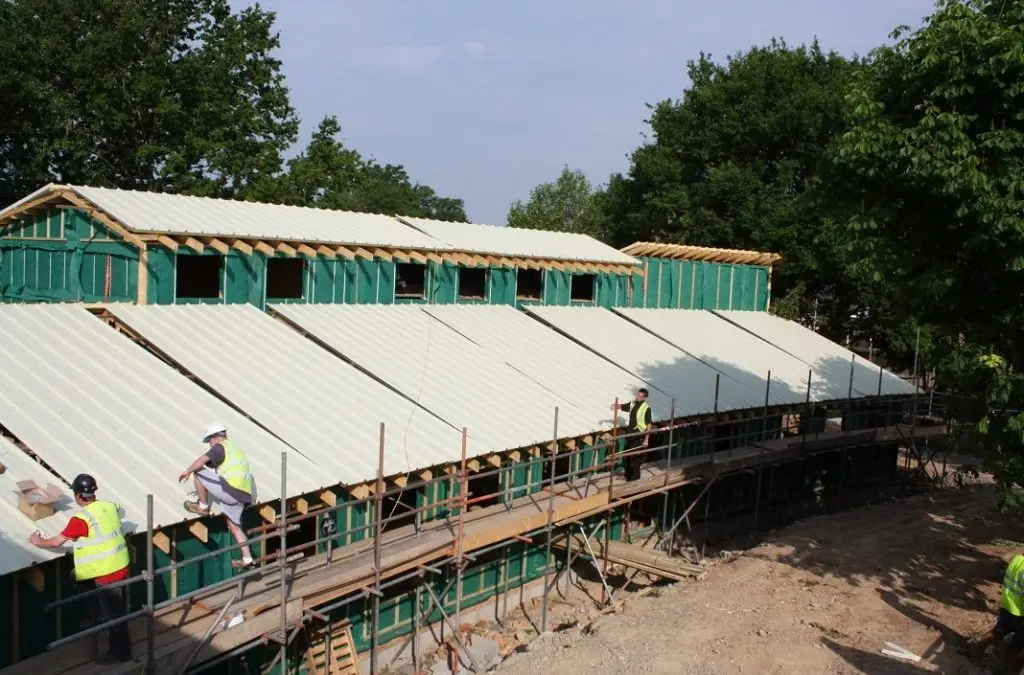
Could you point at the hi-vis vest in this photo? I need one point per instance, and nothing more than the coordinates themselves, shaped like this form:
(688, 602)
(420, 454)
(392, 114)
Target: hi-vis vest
(1012, 599)
(104, 551)
(641, 416)
(235, 468)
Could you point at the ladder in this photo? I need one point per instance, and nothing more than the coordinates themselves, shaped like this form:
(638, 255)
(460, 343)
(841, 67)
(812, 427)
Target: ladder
(340, 658)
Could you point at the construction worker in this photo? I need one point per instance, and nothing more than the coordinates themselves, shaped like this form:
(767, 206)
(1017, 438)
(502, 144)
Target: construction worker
(222, 472)
(639, 431)
(101, 559)
(1011, 615)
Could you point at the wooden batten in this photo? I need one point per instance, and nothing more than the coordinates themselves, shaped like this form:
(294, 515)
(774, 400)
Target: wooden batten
(264, 248)
(199, 531)
(162, 542)
(326, 251)
(285, 249)
(345, 253)
(218, 246)
(142, 276)
(35, 578)
(306, 251)
(240, 245)
(167, 242)
(194, 244)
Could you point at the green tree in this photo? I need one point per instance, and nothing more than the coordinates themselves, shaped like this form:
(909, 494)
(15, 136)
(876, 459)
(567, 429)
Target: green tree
(177, 95)
(568, 204)
(932, 172)
(329, 175)
(734, 164)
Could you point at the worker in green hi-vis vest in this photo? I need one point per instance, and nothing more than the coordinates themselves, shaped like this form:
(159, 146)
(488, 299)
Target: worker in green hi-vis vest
(638, 433)
(1008, 633)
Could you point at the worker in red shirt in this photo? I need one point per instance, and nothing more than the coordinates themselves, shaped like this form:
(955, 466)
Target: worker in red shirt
(101, 558)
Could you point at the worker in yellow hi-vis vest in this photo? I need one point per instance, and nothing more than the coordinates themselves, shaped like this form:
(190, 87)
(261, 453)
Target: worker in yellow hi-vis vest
(638, 432)
(222, 472)
(101, 561)
(1011, 609)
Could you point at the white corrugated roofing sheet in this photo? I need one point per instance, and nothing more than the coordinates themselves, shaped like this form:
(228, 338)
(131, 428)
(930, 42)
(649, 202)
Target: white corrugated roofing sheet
(321, 405)
(670, 369)
(588, 381)
(203, 216)
(15, 527)
(86, 399)
(733, 350)
(442, 370)
(829, 360)
(516, 242)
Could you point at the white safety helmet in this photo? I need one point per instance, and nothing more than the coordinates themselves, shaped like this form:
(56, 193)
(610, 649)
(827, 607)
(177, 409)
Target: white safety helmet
(215, 429)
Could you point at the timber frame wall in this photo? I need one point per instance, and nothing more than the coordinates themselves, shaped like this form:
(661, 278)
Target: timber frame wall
(67, 251)
(194, 556)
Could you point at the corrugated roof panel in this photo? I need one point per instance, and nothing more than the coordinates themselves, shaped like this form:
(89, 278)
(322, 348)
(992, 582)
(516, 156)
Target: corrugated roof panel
(84, 398)
(730, 349)
(681, 375)
(321, 405)
(589, 382)
(15, 527)
(447, 373)
(829, 360)
(203, 216)
(510, 241)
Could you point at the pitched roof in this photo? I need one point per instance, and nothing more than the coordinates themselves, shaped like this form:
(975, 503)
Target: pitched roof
(683, 252)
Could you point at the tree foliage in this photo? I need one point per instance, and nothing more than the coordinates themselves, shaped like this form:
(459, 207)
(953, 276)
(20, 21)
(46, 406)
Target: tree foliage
(931, 175)
(733, 163)
(180, 96)
(568, 204)
(329, 175)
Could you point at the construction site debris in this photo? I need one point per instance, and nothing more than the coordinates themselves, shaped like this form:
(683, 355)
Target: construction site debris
(35, 501)
(646, 560)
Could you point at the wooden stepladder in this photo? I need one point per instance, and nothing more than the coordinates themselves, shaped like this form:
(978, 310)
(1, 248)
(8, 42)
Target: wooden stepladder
(331, 650)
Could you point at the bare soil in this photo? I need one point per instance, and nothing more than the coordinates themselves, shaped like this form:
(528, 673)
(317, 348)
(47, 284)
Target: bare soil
(821, 596)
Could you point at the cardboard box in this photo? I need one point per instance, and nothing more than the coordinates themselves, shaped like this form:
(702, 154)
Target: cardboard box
(35, 501)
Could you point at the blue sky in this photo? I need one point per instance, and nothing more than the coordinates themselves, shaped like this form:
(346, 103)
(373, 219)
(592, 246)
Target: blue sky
(484, 100)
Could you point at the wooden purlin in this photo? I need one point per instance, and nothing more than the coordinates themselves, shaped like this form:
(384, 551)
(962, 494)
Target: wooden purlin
(313, 584)
(701, 253)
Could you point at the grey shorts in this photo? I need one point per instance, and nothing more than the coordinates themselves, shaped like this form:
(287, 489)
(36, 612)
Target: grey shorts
(226, 504)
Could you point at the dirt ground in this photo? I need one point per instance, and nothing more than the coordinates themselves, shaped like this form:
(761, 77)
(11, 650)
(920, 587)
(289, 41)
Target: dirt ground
(821, 596)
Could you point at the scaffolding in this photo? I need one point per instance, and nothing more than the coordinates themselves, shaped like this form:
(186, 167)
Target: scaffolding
(582, 503)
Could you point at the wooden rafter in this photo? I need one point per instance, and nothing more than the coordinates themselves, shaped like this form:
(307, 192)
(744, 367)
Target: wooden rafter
(701, 253)
(194, 244)
(218, 246)
(400, 256)
(167, 242)
(434, 258)
(285, 249)
(240, 245)
(108, 222)
(306, 251)
(363, 253)
(326, 251)
(264, 248)
(345, 253)
(381, 254)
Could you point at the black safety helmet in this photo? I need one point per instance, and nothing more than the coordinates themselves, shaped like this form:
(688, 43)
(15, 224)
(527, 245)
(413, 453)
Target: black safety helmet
(84, 485)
